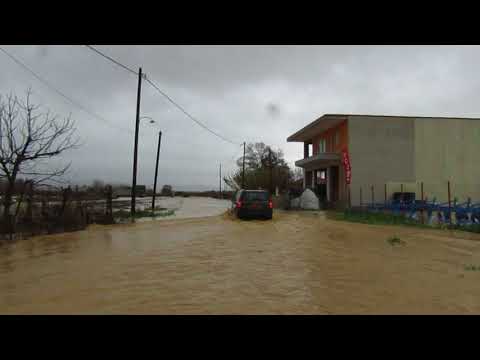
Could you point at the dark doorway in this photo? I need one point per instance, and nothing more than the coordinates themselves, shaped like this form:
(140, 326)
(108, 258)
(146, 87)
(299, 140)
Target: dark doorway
(321, 192)
(308, 180)
(334, 186)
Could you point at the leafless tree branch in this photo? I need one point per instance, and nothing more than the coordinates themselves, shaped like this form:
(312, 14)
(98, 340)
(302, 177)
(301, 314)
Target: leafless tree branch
(28, 139)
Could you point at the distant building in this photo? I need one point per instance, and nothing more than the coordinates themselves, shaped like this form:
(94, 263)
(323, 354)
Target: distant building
(126, 191)
(346, 153)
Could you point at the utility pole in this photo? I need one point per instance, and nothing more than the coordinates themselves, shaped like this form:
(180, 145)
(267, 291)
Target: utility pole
(243, 171)
(271, 168)
(135, 149)
(156, 171)
(220, 183)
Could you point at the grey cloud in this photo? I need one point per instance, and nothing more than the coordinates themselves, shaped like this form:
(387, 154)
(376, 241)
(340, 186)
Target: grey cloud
(246, 93)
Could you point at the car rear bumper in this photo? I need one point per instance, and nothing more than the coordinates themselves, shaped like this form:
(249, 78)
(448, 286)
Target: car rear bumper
(254, 213)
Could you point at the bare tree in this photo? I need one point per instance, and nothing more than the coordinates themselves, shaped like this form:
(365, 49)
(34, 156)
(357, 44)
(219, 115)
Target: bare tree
(28, 140)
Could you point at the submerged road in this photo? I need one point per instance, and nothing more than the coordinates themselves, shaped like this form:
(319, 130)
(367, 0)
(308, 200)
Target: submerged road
(298, 263)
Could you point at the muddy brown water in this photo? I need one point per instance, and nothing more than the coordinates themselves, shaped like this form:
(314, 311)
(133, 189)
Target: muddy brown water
(298, 263)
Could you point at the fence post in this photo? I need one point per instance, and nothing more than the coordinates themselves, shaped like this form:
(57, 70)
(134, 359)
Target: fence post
(361, 203)
(65, 198)
(29, 211)
(349, 197)
(449, 204)
(385, 195)
(421, 211)
(108, 209)
(43, 207)
(469, 213)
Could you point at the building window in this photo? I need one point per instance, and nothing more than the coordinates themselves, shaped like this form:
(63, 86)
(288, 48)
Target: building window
(336, 139)
(321, 146)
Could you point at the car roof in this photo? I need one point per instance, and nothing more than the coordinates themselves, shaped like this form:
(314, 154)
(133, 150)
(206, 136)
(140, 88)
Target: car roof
(254, 190)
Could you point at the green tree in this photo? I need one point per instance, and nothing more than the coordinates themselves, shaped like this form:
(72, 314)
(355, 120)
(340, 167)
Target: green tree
(261, 162)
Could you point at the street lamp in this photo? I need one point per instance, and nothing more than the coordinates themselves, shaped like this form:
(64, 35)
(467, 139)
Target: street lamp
(148, 117)
(134, 180)
(156, 163)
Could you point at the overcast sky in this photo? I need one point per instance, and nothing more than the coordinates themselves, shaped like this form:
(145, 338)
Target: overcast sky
(245, 93)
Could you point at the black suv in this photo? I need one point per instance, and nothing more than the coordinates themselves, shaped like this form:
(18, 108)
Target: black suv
(252, 203)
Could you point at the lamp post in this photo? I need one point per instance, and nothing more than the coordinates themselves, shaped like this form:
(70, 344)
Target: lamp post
(152, 121)
(147, 117)
(134, 182)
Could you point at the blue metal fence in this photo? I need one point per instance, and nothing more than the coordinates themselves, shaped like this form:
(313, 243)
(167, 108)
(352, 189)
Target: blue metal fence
(464, 214)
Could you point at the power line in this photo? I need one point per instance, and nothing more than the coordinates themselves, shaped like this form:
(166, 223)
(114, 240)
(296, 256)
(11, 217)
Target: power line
(119, 64)
(162, 93)
(112, 59)
(51, 87)
(187, 114)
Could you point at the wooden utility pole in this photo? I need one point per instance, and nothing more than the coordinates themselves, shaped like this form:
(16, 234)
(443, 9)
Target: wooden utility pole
(243, 171)
(135, 149)
(156, 171)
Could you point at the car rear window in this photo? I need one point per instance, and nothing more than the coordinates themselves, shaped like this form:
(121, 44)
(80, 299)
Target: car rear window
(255, 196)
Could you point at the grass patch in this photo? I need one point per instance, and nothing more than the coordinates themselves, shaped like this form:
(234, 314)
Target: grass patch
(475, 228)
(380, 218)
(377, 218)
(395, 240)
(472, 268)
(165, 213)
(123, 214)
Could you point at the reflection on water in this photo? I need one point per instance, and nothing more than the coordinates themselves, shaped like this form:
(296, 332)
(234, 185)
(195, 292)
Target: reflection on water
(297, 263)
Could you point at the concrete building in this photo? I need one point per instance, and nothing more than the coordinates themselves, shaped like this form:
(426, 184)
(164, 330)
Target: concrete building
(390, 154)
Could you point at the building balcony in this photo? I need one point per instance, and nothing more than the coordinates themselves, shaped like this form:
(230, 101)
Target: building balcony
(319, 161)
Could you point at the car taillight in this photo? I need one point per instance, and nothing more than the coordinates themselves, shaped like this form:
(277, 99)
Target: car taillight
(239, 204)
(270, 204)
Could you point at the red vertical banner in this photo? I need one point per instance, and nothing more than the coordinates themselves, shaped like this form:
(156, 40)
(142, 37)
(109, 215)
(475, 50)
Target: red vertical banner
(346, 166)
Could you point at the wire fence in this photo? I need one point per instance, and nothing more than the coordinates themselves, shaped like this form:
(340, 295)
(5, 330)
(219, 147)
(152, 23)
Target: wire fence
(426, 203)
(53, 211)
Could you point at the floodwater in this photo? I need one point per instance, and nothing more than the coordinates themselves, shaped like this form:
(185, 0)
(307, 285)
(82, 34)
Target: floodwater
(298, 263)
(192, 207)
(184, 207)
